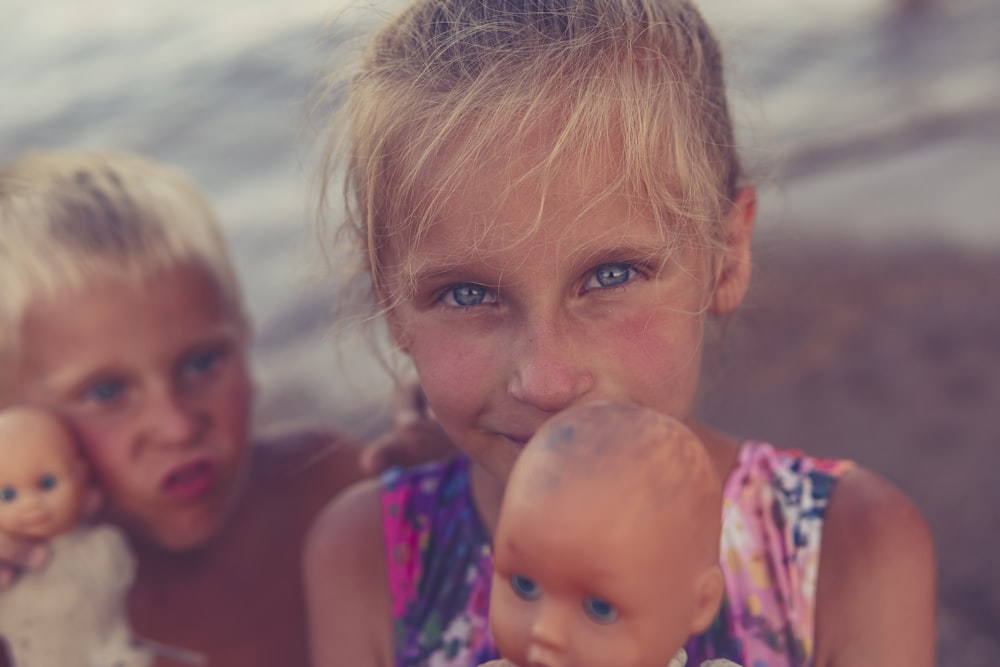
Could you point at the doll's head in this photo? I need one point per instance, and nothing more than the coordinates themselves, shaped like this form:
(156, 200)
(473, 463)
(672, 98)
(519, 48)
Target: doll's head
(120, 312)
(43, 479)
(606, 550)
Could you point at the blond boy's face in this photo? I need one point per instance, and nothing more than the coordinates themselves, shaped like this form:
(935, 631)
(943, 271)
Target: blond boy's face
(595, 587)
(154, 381)
(42, 483)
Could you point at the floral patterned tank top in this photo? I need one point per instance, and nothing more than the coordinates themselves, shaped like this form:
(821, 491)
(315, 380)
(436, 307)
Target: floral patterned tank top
(774, 502)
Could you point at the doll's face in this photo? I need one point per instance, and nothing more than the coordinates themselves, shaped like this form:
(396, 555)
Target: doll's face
(579, 583)
(42, 479)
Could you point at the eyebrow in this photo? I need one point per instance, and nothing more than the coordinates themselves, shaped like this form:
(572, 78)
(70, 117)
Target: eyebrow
(472, 263)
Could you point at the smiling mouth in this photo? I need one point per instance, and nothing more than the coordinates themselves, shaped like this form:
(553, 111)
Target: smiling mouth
(517, 441)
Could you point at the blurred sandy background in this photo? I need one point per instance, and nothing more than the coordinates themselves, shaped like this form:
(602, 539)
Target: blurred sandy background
(872, 330)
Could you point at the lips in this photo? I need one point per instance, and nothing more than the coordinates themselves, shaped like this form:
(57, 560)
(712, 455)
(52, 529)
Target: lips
(518, 441)
(191, 480)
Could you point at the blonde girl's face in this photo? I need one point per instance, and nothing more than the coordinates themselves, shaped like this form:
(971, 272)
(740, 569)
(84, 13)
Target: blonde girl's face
(154, 381)
(511, 322)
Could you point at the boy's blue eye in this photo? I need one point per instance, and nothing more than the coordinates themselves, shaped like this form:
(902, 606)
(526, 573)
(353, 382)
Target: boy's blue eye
(600, 610)
(610, 275)
(466, 295)
(202, 362)
(104, 391)
(525, 588)
(8, 494)
(47, 482)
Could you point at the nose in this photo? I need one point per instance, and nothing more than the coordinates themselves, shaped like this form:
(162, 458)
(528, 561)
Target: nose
(547, 639)
(550, 373)
(170, 419)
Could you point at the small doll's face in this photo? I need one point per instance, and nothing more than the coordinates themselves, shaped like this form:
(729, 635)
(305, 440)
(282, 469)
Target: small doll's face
(591, 587)
(42, 483)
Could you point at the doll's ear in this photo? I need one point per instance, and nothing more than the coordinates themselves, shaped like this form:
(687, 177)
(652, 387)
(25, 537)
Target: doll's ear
(708, 597)
(734, 269)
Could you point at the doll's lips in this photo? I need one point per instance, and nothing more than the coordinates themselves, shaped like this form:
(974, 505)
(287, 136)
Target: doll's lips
(191, 480)
(37, 524)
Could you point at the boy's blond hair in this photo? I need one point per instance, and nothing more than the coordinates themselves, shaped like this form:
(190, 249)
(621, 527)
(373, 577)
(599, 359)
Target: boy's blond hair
(635, 86)
(69, 218)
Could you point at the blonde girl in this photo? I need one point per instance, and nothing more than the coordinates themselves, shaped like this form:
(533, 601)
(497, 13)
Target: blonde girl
(548, 201)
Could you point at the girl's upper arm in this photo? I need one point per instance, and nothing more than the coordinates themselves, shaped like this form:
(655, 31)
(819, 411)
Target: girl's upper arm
(876, 593)
(347, 592)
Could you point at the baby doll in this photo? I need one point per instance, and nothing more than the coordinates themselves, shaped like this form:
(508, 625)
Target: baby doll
(71, 613)
(629, 571)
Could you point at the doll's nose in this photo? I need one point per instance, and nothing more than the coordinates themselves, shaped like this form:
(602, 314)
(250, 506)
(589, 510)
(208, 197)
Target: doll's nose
(547, 646)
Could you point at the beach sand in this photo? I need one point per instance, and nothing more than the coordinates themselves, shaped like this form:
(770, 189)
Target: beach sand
(890, 358)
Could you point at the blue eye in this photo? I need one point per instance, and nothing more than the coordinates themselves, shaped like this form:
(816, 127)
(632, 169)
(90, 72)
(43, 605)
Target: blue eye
(202, 362)
(610, 275)
(467, 295)
(600, 610)
(8, 494)
(47, 482)
(525, 588)
(105, 391)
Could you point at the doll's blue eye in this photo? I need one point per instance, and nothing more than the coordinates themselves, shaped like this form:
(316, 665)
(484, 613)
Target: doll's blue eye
(8, 494)
(600, 610)
(525, 588)
(47, 482)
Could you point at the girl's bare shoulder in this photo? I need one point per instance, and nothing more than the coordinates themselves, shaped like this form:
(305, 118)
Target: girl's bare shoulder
(346, 581)
(877, 578)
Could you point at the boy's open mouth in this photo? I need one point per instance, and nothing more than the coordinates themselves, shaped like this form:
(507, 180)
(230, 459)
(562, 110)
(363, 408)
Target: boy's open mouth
(191, 480)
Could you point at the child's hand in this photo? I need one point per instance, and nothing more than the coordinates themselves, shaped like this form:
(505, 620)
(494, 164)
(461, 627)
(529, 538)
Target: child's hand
(18, 555)
(415, 436)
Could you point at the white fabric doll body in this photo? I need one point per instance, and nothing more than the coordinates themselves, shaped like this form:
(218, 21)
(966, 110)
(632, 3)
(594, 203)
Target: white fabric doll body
(72, 613)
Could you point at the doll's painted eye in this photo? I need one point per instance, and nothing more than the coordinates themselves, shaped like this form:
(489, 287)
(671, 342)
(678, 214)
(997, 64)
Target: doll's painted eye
(600, 610)
(47, 482)
(8, 494)
(525, 588)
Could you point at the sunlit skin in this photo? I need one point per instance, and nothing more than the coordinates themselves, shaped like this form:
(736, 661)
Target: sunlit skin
(527, 302)
(605, 553)
(154, 382)
(43, 480)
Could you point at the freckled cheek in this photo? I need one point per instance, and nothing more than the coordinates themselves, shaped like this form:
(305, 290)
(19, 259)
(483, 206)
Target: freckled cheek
(454, 378)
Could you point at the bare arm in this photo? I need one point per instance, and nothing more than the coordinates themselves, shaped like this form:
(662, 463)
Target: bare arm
(347, 592)
(877, 579)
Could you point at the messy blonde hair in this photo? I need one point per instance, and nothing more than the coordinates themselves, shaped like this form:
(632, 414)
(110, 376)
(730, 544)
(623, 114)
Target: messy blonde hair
(637, 84)
(70, 218)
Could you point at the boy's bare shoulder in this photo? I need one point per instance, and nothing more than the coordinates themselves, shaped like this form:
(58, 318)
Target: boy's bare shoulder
(877, 582)
(314, 464)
